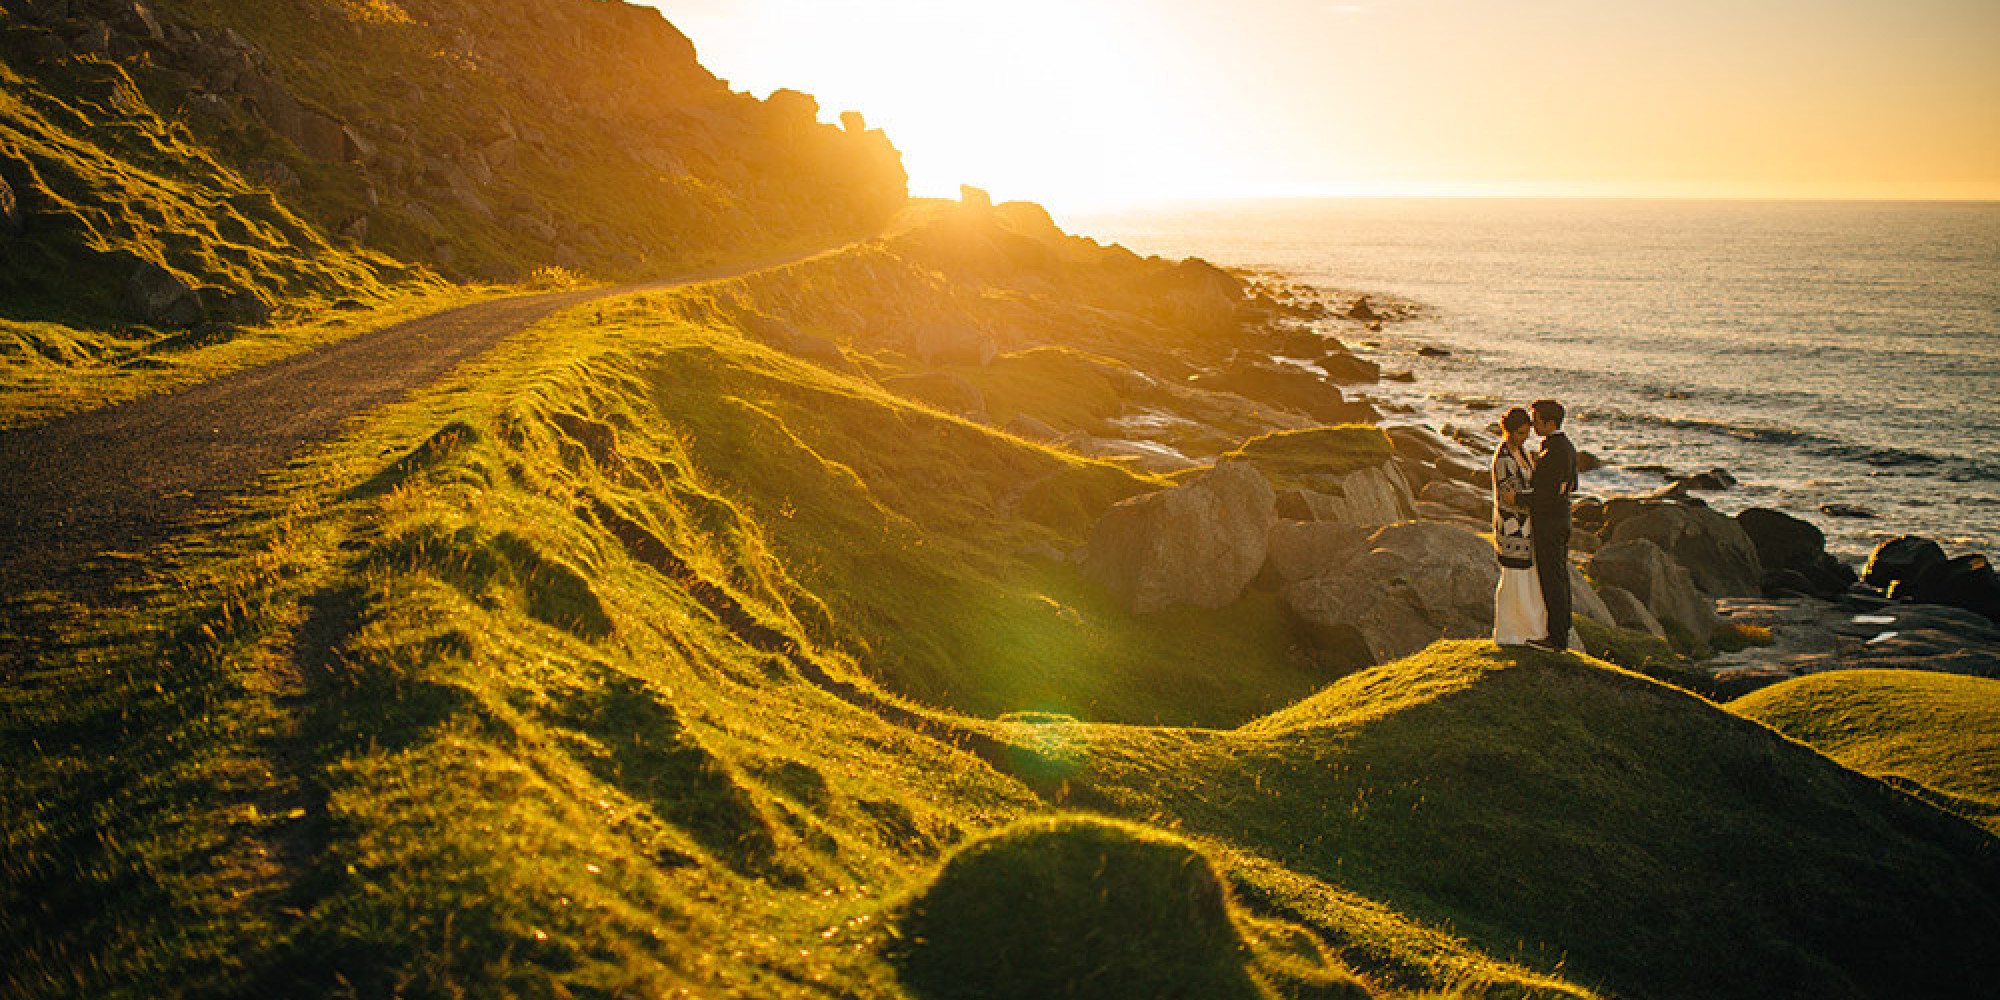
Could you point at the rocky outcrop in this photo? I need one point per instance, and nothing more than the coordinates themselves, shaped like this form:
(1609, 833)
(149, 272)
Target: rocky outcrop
(1643, 568)
(1967, 582)
(1302, 550)
(1289, 388)
(1371, 496)
(1711, 546)
(1899, 559)
(1793, 553)
(1198, 545)
(1418, 582)
(158, 297)
(1627, 611)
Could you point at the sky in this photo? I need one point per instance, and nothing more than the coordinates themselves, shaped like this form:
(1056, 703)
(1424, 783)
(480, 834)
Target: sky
(1082, 103)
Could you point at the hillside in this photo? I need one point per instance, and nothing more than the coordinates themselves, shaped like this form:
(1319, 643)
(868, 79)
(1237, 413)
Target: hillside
(760, 637)
(300, 150)
(1929, 732)
(645, 655)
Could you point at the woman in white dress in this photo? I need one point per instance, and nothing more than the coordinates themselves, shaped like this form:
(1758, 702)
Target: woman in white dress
(1518, 613)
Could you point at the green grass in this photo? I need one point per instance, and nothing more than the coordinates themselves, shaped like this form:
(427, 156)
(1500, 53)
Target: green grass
(1294, 458)
(1662, 846)
(1939, 731)
(51, 369)
(605, 668)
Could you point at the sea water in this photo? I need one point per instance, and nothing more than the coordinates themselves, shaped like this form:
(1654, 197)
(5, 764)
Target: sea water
(1832, 356)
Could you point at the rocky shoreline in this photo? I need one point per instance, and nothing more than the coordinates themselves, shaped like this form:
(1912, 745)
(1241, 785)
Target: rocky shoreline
(1762, 574)
(1377, 561)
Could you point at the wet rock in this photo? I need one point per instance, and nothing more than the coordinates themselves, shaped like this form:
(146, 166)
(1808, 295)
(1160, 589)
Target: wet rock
(1967, 582)
(1845, 510)
(1345, 369)
(1199, 544)
(1712, 481)
(1794, 554)
(1361, 311)
(1900, 558)
(1642, 567)
(1432, 352)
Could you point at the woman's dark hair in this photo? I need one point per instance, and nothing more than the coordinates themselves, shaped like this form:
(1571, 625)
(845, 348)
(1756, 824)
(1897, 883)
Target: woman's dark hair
(1515, 419)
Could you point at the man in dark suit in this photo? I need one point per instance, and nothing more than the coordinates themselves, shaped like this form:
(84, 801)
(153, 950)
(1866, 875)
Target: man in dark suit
(1551, 485)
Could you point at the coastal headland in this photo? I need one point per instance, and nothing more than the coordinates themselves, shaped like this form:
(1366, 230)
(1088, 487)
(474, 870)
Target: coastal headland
(968, 609)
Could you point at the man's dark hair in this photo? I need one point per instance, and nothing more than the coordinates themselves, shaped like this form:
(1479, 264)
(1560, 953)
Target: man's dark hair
(1515, 419)
(1547, 411)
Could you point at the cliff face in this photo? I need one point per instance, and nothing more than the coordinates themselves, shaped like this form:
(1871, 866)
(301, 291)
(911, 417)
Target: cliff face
(480, 139)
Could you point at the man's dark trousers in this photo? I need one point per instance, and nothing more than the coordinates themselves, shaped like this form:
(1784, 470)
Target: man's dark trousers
(1553, 480)
(1551, 540)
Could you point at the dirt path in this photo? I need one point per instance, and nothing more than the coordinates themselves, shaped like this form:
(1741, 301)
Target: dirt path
(127, 477)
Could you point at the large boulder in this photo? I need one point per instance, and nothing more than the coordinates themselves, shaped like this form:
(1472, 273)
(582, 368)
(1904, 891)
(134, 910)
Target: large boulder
(1198, 544)
(1286, 387)
(1967, 582)
(1712, 546)
(1627, 611)
(1794, 554)
(1370, 496)
(1900, 558)
(158, 297)
(1639, 566)
(1419, 581)
(1302, 550)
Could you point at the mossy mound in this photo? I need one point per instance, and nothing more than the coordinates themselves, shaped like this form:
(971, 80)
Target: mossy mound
(1286, 457)
(1940, 731)
(1555, 804)
(1075, 907)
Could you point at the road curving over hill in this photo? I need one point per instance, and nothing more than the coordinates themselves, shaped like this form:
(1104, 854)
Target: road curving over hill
(127, 477)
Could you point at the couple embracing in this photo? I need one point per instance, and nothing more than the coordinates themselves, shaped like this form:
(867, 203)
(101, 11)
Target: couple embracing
(1531, 497)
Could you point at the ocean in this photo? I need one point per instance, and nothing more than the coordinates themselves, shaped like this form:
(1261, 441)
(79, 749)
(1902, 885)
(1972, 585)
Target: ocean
(1829, 355)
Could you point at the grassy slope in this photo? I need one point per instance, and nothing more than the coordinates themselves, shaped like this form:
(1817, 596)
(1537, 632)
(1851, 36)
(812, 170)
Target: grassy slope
(514, 712)
(1666, 847)
(562, 680)
(1939, 731)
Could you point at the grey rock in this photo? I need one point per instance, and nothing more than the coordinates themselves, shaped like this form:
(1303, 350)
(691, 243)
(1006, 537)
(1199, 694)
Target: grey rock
(1711, 546)
(1640, 566)
(1418, 582)
(1199, 544)
(158, 297)
(1627, 611)
(1900, 558)
(1371, 496)
(1303, 550)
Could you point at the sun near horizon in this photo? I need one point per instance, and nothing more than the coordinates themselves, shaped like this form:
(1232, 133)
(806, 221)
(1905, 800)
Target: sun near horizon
(1087, 103)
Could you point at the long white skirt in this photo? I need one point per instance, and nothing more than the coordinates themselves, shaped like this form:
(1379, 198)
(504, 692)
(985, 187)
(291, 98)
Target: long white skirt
(1518, 612)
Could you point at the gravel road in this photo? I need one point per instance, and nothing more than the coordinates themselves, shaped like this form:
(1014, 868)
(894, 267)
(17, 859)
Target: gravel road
(127, 477)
